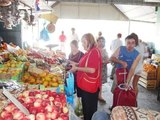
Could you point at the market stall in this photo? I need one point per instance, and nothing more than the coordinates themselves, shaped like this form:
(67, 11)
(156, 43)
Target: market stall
(35, 81)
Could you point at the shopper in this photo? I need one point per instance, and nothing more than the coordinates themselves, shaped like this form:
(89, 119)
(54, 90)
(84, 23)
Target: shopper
(62, 39)
(126, 57)
(89, 72)
(99, 34)
(113, 47)
(105, 61)
(141, 49)
(74, 35)
(75, 57)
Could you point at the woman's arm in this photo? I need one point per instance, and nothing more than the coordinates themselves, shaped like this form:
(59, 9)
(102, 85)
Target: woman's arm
(132, 70)
(114, 58)
(83, 69)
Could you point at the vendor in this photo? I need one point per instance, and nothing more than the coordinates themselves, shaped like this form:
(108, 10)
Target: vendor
(3, 44)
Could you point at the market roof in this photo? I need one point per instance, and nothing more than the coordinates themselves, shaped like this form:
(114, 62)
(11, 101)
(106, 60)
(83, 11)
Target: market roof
(135, 10)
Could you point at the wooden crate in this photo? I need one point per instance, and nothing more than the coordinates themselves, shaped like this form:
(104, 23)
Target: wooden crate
(148, 84)
(158, 76)
(149, 75)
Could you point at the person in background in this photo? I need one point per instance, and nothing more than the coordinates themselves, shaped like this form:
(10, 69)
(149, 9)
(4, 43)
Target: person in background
(105, 61)
(74, 36)
(115, 44)
(75, 57)
(3, 44)
(99, 34)
(141, 49)
(62, 39)
(89, 72)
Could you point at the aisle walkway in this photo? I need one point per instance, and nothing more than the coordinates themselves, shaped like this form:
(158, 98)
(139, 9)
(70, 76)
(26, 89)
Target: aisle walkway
(146, 98)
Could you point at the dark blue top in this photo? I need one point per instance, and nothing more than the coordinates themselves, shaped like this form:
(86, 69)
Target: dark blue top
(127, 56)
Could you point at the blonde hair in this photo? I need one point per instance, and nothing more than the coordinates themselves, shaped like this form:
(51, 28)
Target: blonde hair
(90, 40)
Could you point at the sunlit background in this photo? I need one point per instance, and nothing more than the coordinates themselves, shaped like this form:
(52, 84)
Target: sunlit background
(109, 29)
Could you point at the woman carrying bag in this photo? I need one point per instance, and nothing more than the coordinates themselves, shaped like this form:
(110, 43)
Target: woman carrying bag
(126, 59)
(89, 75)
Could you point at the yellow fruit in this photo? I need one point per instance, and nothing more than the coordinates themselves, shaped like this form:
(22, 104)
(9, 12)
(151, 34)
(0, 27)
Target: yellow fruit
(43, 74)
(45, 83)
(48, 79)
(54, 84)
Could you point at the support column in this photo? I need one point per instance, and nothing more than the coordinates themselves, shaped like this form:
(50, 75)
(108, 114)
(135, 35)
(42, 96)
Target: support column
(158, 31)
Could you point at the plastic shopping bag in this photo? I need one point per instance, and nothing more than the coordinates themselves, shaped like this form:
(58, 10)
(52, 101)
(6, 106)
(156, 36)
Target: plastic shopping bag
(69, 88)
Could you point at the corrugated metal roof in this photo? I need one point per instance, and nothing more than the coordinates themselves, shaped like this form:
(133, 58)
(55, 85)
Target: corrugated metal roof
(139, 13)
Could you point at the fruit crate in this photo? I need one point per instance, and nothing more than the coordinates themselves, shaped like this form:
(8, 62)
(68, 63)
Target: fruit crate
(158, 76)
(148, 84)
(149, 75)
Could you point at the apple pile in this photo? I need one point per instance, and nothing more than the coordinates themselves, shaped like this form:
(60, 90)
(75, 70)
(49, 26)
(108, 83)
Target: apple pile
(42, 105)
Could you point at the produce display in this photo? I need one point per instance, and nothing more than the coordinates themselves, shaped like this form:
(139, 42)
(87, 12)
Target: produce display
(46, 79)
(42, 105)
(37, 72)
(149, 68)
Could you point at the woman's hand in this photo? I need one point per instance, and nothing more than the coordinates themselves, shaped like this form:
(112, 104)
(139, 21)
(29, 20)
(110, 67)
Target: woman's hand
(74, 68)
(124, 64)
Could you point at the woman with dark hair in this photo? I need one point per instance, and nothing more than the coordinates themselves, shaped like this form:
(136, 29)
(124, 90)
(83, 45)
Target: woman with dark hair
(89, 72)
(75, 57)
(105, 61)
(126, 57)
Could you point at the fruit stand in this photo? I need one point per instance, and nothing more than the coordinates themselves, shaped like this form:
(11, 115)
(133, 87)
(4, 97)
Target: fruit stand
(38, 75)
(150, 76)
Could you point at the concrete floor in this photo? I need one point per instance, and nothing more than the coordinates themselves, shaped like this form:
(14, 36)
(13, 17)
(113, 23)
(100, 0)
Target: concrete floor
(146, 98)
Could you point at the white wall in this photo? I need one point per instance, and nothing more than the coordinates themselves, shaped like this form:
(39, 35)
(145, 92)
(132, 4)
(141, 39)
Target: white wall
(88, 11)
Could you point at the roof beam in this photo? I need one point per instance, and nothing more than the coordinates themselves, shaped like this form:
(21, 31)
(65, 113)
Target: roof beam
(125, 2)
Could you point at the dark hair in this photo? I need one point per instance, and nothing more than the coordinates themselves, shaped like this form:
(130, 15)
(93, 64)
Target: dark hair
(103, 39)
(119, 35)
(132, 37)
(135, 36)
(73, 29)
(90, 40)
(75, 43)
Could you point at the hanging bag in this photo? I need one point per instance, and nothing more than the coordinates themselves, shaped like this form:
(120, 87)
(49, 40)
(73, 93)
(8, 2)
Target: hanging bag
(69, 88)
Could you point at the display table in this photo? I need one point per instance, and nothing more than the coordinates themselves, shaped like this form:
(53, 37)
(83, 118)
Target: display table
(132, 113)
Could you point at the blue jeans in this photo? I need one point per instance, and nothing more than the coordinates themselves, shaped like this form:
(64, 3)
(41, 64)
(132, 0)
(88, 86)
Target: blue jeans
(100, 115)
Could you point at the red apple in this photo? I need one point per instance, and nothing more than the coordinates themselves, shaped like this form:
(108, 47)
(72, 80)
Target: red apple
(38, 96)
(9, 118)
(44, 96)
(29, 100)
(41, 116)
(10, 108)
(49, 108)
(33, 110)
(52, 115)
(5, 114)
(51, 99)
(37, 103)
(58, 104)
(18, 114)
(31, 93)
(45, 102)
(25, 93)
(31, 117)
(41, 110)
